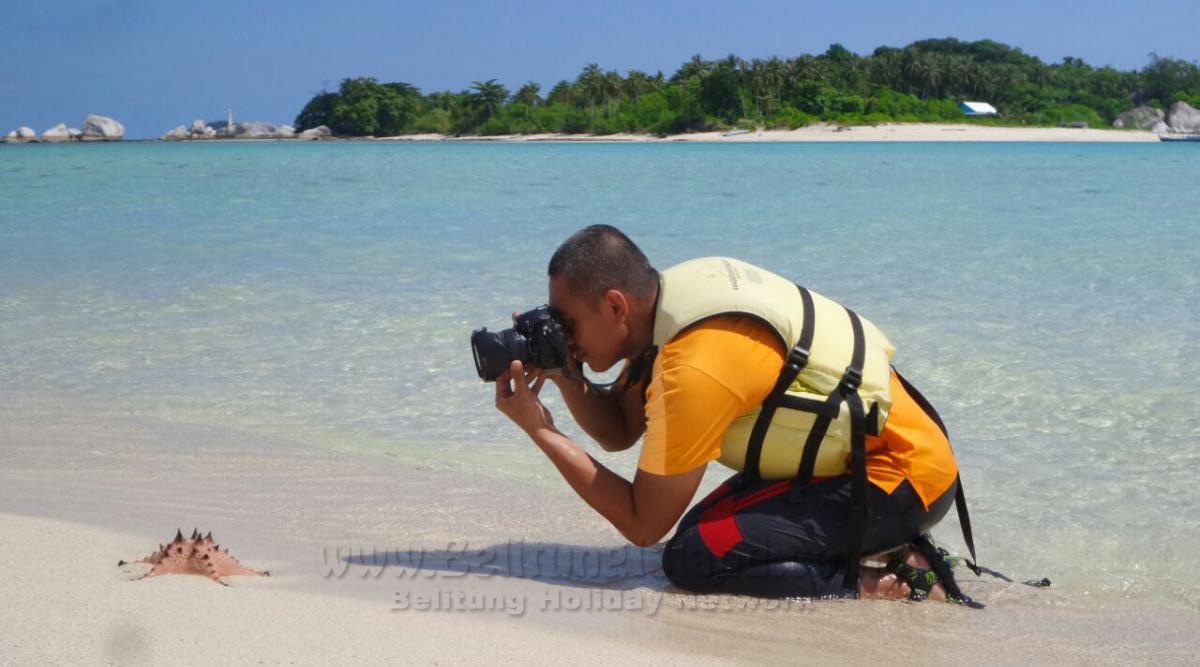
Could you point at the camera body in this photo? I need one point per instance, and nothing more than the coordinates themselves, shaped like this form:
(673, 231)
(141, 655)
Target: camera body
(536, 338)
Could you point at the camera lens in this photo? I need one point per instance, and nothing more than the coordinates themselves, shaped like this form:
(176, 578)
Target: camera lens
(490, 359)
(493, 352)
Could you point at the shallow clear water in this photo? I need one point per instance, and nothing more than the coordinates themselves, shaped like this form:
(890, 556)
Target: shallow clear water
(1043, 296)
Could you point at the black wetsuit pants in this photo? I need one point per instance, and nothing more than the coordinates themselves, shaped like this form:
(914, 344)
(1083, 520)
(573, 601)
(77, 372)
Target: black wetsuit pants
(779, 539)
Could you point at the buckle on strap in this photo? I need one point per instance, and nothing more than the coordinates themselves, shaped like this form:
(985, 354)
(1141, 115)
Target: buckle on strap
(852, 378)
(798, 358)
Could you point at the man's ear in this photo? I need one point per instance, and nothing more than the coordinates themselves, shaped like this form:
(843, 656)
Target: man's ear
(616, 303)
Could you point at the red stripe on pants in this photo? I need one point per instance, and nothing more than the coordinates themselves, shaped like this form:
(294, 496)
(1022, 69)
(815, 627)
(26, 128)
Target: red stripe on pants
(718, 524)
(718, 529)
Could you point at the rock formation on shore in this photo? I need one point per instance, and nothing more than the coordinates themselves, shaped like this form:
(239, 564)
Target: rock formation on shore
(222, 130)
(198, 130)
(254, 130)
(1141, 118)
(21, 135)
(102, 128)
(57, 134)
(317, 132)
(1183, 117)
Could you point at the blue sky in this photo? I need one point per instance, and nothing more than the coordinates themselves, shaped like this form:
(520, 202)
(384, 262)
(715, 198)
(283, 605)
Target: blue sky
(157, 64)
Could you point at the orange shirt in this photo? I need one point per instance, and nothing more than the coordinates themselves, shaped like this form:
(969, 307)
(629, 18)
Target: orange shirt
(711, 374)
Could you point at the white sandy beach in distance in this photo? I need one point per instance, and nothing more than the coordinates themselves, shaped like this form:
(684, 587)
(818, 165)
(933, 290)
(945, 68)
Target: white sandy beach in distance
(82, 487)
(892, 132)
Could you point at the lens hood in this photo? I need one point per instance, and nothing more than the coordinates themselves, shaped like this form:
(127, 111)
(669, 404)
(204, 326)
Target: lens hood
(490, 353)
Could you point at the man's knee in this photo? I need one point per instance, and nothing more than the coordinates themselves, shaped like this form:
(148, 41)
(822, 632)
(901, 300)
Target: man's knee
(687, 561)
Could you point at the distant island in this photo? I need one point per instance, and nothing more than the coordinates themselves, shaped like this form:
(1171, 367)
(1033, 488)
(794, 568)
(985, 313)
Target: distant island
(924, 82)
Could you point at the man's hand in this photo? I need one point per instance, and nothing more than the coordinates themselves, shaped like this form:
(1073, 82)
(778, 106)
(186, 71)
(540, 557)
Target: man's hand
(521, 404)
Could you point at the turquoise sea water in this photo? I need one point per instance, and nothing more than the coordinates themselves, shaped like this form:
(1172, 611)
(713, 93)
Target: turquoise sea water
(1043, 296)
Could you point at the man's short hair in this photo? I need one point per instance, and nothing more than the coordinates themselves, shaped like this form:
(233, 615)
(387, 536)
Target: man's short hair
(599, 258)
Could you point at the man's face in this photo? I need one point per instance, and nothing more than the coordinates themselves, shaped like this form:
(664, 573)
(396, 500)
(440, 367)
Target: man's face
(595, 328)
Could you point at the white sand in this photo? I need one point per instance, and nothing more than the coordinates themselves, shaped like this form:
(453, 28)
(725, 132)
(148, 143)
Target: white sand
(892, 132)
(65, 603)
(83, 487)
(926, 133)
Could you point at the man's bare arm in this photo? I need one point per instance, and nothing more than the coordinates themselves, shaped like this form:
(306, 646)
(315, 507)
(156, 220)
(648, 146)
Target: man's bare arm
(612, 417)
(643, 510)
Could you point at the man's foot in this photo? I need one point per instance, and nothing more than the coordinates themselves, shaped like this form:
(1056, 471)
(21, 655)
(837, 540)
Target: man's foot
(879, 584)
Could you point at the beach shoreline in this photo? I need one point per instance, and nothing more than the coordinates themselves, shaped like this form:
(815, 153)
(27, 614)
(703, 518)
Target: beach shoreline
(81, 489)
(817, 133)
(892, 132)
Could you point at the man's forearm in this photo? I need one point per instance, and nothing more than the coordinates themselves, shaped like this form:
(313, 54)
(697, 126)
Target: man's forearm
(605, 491)
(597, 412)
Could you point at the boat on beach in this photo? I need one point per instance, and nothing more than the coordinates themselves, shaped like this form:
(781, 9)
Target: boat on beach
(1179, 137)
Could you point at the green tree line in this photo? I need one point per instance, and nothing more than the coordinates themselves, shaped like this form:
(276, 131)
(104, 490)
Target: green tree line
(921, 82)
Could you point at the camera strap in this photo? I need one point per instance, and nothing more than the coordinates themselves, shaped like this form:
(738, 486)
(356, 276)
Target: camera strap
(636, 373)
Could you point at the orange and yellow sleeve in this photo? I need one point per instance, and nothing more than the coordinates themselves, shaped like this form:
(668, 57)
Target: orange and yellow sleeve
(702, 380)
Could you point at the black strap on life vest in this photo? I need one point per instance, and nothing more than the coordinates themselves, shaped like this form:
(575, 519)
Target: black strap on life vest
(848, 389)
(960, 498)
(796, 361)
(826, 411)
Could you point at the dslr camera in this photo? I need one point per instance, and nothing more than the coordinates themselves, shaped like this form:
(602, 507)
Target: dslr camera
(536, 338)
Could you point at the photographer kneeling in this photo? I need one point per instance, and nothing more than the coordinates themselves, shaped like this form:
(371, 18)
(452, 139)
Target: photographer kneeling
(838, 456)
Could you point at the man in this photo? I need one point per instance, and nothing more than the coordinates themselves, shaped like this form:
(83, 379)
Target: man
(709, 376)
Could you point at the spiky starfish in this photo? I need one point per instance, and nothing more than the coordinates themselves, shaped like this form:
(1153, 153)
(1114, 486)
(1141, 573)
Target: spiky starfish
(195, 555)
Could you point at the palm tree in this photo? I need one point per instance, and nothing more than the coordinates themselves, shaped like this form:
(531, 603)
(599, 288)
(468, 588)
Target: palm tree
(807, 68)
(696, 67)
(736, 69)
(563, 92)
(638, 83)
(732, 61)
(885, 69)
(614, 86)
(489, 95)
(911, 63)
(922, 71)
(757, 78)
(956, 75)
(528, 94)
(591, 86)
(446, 101)
(775, 76)
(931, 76)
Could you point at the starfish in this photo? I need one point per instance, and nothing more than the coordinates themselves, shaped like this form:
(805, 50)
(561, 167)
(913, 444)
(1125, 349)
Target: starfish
(195, 555)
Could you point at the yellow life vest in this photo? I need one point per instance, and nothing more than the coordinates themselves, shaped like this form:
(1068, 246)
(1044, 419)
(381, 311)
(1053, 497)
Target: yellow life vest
(838, 368)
